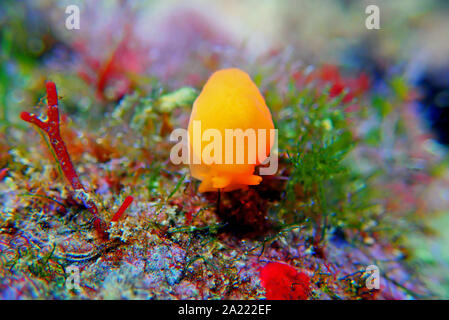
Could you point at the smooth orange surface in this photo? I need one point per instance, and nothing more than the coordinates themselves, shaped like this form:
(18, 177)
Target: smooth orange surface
(229, 100)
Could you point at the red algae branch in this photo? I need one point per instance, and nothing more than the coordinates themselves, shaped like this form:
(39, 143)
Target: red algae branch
(51, 126)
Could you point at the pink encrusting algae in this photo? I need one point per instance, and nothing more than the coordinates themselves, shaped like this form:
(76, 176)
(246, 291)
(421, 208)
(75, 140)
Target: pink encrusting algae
(283, 282)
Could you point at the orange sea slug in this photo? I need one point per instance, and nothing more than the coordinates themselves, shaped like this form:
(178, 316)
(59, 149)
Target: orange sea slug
(229, 100)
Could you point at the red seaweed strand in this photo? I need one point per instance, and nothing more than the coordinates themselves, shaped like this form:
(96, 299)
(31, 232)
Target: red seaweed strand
(51, 127)
(123, 207)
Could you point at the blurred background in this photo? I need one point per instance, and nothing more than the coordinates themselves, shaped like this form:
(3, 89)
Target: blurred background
(121, 43)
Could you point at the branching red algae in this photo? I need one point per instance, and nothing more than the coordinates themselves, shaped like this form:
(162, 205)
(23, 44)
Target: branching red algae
(51, 127)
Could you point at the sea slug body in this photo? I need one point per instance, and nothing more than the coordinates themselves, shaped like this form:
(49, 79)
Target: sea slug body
(230, 100)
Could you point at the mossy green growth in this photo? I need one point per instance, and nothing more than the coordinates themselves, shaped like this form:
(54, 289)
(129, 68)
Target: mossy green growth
(181, 97)
(315, 138)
